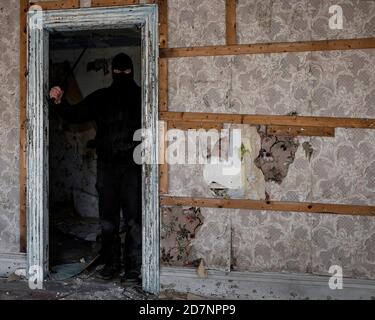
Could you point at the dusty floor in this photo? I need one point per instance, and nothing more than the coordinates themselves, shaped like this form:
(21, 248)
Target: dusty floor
(82, 288)
(73, 242)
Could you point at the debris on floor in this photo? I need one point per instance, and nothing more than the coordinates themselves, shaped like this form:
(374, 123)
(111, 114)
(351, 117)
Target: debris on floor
(201, 270)
(80, 288)
(67, 271)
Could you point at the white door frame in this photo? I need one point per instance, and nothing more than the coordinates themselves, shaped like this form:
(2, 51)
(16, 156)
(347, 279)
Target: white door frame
(40, 24)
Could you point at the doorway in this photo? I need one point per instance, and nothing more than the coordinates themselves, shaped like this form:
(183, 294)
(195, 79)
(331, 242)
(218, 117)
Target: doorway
(77, 31)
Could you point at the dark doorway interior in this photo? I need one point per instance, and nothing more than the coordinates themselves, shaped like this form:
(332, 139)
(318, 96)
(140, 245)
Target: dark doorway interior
(80, 62)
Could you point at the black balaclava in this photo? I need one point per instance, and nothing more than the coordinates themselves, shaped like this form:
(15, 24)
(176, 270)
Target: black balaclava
(122, 62)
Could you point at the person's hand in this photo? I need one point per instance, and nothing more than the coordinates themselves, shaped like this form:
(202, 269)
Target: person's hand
(56, 94)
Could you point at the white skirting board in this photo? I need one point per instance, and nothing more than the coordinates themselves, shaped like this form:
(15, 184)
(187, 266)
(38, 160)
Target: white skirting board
(10, 262)
(250, 285)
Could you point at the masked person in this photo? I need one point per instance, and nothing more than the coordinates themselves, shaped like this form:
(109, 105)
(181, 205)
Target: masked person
(116, 111)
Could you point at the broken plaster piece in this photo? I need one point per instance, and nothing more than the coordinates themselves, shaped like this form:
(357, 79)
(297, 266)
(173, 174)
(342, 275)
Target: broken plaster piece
(201, 270)
(277, 153)
(308, 149)
(249, 182)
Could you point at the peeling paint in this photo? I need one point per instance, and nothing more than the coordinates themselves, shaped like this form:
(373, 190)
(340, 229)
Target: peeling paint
(252, 183)
(276, 155)
(309, 150)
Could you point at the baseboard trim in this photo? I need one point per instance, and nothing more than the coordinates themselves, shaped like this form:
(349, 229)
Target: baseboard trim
(10, 262)
(252, 285)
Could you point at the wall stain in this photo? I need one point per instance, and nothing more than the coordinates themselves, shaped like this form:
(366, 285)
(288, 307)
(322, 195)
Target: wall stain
(277, 153)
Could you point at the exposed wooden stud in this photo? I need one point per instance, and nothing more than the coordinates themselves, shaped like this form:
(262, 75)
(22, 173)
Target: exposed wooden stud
(231, 26)
(260, 48)
(300, 121)
(301, 131)
(163, 23)
(163, 167)
(163, 106)
(163, 63)
(110, 3)
(24, 7)
(186, 125)
(163, 86)
(354, 210)
(54, 5)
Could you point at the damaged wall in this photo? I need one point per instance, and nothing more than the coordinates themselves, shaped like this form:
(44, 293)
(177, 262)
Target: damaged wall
(9, 127)
(340, 170)
(332, 170)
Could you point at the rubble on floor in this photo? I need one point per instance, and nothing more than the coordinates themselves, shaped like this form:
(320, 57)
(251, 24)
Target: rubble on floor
(81, 288)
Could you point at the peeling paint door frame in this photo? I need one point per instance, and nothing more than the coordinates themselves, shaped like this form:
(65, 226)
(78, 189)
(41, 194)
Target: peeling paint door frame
(40, 24)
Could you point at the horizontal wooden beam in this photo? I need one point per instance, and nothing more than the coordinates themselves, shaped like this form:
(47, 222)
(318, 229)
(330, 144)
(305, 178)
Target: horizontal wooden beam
(273, 120)
(277, 47)
(110, 3)
(54, 5)
(71, 4)
(269, 205)
(301, 131)
(186, 125)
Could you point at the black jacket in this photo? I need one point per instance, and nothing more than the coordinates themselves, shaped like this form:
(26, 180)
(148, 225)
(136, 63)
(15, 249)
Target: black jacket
(117, 113)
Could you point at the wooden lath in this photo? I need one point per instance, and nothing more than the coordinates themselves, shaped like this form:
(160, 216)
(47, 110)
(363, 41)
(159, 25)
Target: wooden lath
(231, 25)
(354, 210)
(292, 131)
(71, 4)
(109, 3)
(261, 48)
(163, 85)
(269, 120)
(186, 125)
(300, 131)
(163, 23)
(54, 5)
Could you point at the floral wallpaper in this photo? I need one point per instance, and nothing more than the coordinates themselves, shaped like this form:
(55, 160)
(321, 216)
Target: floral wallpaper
(302, 20)
(196, 22)
(336, 83)
(271, 241)
(202, 22)
(261, 241)
(178, 229)
(9, 127)
(338, 169)
(341, 169)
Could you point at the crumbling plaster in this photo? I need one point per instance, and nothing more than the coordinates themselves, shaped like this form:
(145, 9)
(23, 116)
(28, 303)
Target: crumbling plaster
(339, 170)
(329, 83)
